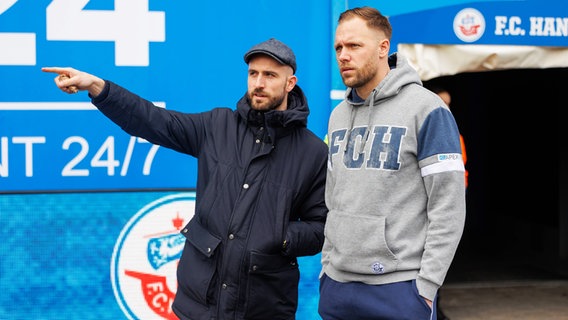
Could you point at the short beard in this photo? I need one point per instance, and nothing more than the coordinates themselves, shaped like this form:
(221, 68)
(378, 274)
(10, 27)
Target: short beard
(271, 104)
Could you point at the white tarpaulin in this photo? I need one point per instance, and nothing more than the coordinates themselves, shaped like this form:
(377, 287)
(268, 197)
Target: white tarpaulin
(433, 61)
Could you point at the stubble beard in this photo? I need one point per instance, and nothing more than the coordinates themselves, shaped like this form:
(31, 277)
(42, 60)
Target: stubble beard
(362, 75)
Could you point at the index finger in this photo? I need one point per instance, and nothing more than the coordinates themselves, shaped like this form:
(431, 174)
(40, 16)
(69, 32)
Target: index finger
(57, 70)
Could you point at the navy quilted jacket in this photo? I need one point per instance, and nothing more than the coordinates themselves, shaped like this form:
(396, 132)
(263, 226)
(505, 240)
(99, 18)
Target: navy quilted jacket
(259, 204)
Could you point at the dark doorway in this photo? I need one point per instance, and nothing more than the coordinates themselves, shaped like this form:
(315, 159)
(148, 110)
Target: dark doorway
(511, 123)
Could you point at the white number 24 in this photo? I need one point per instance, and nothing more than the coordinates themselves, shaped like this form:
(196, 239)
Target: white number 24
(131, 26)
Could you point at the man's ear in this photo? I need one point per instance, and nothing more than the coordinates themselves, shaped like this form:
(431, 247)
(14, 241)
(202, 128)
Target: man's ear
(292, 80)
(384, 48)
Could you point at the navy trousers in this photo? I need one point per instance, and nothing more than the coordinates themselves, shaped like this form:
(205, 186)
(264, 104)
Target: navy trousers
(356, 300)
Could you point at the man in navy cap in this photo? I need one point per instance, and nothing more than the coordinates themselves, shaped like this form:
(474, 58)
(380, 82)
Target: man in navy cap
(260, 187)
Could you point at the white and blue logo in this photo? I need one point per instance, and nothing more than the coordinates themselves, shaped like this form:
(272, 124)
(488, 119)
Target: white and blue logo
(146, 255)
(469, 25)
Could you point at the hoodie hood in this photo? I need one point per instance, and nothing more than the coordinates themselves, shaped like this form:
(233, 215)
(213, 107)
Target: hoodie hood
(400, 75)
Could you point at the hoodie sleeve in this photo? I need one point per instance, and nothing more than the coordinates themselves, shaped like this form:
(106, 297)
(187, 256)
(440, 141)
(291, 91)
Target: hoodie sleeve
(440, 160)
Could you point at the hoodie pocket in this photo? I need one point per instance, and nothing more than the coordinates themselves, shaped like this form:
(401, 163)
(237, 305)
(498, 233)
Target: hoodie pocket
(359, 244)
(197, 263)
(272, 288)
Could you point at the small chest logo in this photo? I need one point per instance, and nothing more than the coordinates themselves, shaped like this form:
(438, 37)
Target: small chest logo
(145, 257)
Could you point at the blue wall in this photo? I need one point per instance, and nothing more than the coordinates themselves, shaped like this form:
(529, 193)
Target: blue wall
(185, 55)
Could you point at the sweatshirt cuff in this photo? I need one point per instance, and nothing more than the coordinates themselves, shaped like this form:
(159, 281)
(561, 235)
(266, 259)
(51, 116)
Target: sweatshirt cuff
(426, 288)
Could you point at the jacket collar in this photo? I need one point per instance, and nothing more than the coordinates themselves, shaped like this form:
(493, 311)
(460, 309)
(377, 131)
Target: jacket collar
(277, 123)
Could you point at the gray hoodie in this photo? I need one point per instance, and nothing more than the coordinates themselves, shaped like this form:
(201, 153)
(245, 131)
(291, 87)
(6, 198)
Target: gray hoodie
(395, 185)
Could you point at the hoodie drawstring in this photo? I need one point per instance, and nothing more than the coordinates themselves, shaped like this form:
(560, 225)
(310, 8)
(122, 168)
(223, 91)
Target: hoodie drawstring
(369, 126)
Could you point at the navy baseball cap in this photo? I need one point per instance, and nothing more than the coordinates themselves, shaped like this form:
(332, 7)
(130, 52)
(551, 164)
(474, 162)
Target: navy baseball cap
(275, 49)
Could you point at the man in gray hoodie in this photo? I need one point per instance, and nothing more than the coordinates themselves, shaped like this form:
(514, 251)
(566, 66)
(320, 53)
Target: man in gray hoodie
(395, 183)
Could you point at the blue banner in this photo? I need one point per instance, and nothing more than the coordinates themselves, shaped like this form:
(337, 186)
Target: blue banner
(182, 55)
(529, 22)
(447, 22)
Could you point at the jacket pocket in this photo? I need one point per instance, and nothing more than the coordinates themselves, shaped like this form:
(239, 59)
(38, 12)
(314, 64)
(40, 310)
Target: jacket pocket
(197, 263)
(272, 288)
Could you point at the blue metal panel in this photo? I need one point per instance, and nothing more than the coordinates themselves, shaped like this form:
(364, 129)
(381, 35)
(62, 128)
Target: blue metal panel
(185, 55)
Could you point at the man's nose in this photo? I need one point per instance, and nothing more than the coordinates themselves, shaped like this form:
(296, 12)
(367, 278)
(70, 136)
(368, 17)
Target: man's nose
(343, 55)
(260, 81)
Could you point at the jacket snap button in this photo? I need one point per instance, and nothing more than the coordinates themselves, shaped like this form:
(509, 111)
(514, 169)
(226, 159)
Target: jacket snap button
(246, 185)
(224, 286)
(254, 268)
(231, 236)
